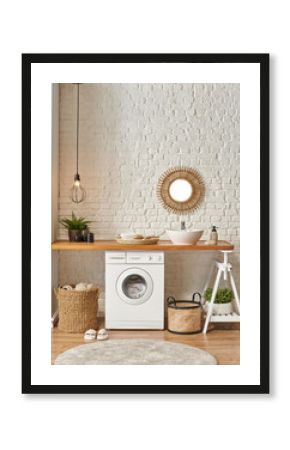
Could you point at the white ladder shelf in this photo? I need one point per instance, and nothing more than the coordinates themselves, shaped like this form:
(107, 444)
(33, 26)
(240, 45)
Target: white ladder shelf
(224, 268)
(233, 317)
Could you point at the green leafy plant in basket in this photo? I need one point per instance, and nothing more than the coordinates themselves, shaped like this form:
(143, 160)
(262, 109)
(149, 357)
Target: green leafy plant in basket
(224, 295)
(75, 226)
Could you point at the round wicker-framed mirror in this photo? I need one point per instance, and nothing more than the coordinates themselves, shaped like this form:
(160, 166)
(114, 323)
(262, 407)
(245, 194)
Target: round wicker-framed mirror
(181, 190)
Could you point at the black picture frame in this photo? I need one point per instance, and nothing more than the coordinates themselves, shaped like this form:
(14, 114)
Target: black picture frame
(263, 61)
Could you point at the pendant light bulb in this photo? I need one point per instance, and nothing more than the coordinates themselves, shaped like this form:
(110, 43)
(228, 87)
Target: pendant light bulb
(77, 192)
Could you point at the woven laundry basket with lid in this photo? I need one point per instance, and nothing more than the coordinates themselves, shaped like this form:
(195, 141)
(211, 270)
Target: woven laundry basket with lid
(77, 309)
(185, 316)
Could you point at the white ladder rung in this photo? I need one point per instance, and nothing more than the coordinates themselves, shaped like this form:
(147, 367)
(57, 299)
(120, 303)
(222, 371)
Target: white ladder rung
(233, 317)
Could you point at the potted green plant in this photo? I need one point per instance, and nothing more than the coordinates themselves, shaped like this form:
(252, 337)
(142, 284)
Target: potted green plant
(75, 226)
(223, 300)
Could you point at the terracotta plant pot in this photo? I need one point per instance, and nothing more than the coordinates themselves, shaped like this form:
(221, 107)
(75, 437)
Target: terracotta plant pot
(75, 235)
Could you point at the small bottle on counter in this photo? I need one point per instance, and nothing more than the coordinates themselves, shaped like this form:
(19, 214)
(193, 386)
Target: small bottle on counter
(90, 237)
(85, 233)
(214, 235)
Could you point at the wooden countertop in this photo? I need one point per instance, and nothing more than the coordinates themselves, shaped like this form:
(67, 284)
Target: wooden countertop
(161, 245)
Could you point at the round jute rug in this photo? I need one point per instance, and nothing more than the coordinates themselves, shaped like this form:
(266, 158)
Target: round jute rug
(135, 351)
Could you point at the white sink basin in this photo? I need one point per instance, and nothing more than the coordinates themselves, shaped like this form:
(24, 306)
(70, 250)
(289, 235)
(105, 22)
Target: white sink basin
(184, 237)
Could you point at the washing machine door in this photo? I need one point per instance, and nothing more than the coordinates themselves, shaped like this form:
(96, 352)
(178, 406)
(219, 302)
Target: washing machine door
(134, 286)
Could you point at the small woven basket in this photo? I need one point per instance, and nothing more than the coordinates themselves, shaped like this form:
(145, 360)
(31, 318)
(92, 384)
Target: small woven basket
(77, 309)
(184, 316)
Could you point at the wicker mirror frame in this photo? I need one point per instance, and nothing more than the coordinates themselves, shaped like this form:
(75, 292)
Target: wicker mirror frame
(183, 173)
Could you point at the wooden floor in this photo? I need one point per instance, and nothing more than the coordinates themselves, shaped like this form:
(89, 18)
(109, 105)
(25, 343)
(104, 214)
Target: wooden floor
(222, 341)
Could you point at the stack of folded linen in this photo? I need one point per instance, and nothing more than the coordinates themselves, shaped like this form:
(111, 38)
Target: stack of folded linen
(79, 287)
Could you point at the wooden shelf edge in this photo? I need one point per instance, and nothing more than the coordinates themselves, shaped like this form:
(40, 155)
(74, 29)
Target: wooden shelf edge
(103, 245)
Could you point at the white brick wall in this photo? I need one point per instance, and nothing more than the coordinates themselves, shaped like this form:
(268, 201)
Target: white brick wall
(129, 135)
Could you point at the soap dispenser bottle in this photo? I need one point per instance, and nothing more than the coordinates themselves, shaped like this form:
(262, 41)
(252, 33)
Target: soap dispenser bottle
(214, 235)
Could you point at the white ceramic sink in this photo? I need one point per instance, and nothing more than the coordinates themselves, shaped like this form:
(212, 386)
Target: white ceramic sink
(184, 237)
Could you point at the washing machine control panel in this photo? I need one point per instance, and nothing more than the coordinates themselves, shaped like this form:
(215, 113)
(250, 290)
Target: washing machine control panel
(134, 257)
(115, 257)
(145, 257)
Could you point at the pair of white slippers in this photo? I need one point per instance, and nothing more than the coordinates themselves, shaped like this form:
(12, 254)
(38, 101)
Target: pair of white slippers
(91, 335)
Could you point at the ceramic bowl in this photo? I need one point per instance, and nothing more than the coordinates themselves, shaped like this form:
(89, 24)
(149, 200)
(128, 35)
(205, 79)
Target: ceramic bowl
(184, 237)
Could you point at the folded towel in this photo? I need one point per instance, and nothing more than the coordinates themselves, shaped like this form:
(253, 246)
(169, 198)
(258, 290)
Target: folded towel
(81, 287)
(91, 286)
(67, 287)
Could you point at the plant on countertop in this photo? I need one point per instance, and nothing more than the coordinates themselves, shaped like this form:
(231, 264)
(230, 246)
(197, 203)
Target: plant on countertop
(75, 223)
(224, 295)
(75, 226)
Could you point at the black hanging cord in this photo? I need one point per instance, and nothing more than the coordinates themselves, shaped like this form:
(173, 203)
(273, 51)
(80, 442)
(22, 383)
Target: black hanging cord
(78, 101)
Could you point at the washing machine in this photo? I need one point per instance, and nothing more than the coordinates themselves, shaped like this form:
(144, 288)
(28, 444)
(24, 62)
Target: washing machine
(134, 290)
